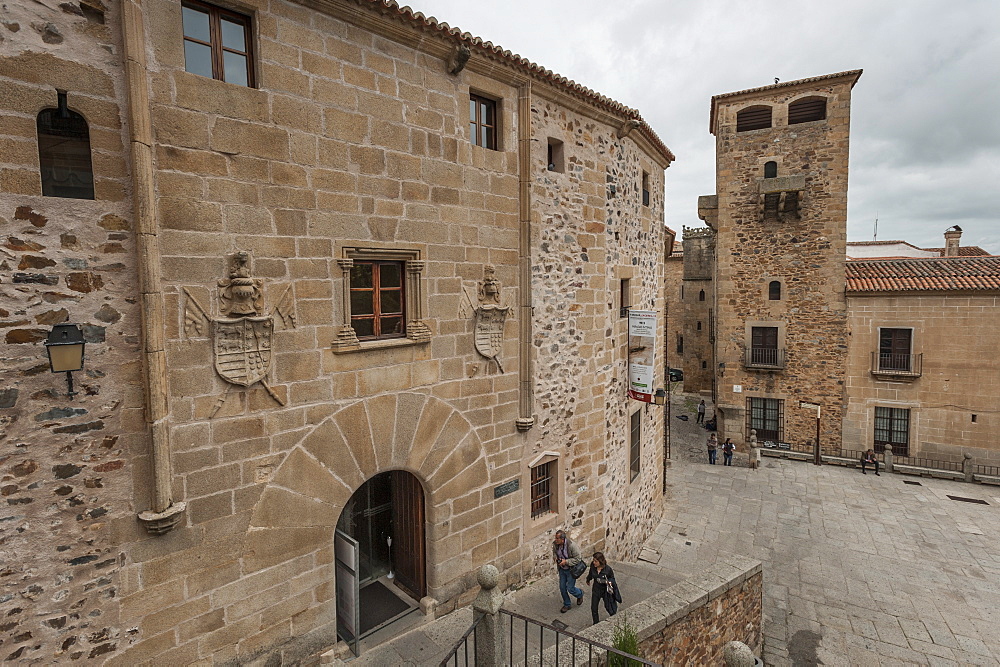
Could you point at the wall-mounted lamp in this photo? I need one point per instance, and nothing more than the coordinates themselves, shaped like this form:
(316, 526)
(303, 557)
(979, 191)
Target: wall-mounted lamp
(660, 396)
(65, 349)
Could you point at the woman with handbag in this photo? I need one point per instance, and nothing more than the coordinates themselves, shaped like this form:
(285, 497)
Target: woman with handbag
(605, 588)
(568, 562)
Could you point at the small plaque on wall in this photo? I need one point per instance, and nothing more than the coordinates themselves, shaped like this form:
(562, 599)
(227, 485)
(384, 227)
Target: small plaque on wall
(506, 488)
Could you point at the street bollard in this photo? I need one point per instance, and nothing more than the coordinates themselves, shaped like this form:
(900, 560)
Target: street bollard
(490, 649)
(968, 468)
(888, 458)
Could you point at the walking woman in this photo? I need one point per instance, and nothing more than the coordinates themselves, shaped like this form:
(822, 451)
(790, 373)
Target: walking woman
(605, 587)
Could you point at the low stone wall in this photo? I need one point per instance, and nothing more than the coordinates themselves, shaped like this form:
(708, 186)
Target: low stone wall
(691, 622)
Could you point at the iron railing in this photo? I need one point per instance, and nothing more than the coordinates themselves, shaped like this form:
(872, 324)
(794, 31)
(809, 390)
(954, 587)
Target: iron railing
(530, 639)
(935, 464)
(993, 471)
(905, 365)
(764, 357)
(459, 655)
(856, 454)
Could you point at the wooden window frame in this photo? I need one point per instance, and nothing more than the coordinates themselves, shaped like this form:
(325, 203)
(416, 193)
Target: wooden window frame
(645, 188)
(476, 120)
(543, 488)
(892, 418)
(635, 445)
(765, 409)
(889, 358)
(215, 16)
(377, 316)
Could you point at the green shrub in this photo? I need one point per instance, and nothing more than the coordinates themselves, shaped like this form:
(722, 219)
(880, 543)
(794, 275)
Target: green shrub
(625, 639)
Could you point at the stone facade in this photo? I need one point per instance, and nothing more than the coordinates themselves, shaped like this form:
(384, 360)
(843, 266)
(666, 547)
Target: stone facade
(353, 145)
(788, 227)
(697, 310)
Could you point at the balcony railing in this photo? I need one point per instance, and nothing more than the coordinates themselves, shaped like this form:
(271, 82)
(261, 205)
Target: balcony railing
(898, 365)
(764, 357)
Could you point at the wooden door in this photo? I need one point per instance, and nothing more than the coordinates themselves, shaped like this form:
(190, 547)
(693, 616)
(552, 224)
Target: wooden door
(408, 545)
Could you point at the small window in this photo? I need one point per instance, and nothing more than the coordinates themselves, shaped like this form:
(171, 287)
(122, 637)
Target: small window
(542, 487)
(555, 158)
(483, 121)
(806, 110)
(645, 188)
(682, 291)
(894, 348)
(766, 416)
(892, 427)
(771, 169)
(64, 153)
(774, 290)
(635, 440)
(699, 326)
(217, 43)
(701, 295)
(753, 118)
(680, 344)
(625, 296)
(704, 365)
(378, 303)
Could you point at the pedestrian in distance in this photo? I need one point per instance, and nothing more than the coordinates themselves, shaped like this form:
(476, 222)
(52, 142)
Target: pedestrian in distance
(713, 448)
(701, 412)
(570, 565)
(604, 588)
(867, 459)
(727, 452)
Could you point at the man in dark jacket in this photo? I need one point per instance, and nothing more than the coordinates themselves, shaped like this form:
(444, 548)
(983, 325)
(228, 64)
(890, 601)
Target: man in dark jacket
(566, 555)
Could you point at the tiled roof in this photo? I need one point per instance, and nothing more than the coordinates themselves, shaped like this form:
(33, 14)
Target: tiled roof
(933, 274)
(964, 251)
(525, 65)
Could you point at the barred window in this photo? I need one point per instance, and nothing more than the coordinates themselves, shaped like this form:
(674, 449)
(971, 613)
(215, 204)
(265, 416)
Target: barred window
(892, 427)
(635, 440)
(542, 487)
(766, 416)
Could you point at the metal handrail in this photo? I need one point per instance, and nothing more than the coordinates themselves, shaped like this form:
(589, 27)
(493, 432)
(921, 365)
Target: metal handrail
(573, 637)
(764, 357)
(884, 363)
(935, 464)
(463, 643)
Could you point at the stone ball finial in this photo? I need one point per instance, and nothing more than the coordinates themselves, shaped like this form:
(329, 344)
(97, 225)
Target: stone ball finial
(967, 455)
(738, 654)
(888, 449)
(488, 577)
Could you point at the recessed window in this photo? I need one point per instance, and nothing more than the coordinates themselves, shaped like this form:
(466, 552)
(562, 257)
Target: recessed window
(682, 291)
(645, 188)
(701, 295)
(699, 326)
(973, 419)
(217, 43)
(542, 489)
(774, 290)
(807, 109)
(555, 156)
(680, 344)
(753, 118)
(704, 364)
(892, 427)
(771, 169)
(378, 300)
(64, 153)
(635, 442)
(483, 121)
(625, 296)
(764, 346)
(766, 416)
(894, 347)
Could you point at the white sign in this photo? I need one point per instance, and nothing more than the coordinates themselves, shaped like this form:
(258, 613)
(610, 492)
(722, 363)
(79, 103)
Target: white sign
(641, 354)
(737, 389)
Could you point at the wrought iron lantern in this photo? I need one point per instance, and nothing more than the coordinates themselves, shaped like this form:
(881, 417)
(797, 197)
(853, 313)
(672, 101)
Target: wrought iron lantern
(64, 346)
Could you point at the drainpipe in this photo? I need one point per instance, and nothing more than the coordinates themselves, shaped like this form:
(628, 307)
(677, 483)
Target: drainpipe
(165, 513)
(525, 413)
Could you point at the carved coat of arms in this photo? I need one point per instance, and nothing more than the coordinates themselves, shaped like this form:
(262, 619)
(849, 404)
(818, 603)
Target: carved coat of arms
(242, 334)
(490, 317)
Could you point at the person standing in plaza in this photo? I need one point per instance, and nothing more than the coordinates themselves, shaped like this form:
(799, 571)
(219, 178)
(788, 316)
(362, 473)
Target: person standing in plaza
(713, 448)
(605, 588)
(701, 412)
(727, 452)
(566, 555)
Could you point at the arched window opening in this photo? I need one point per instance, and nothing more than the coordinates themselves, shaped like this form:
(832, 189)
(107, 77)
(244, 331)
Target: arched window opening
(771, 169)
(699, 326)
(807, 109)
(753, 118)
(774, 290)
(64, 153)
(701, 295)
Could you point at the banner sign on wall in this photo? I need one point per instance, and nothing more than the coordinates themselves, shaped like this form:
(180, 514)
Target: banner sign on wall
(641, 354)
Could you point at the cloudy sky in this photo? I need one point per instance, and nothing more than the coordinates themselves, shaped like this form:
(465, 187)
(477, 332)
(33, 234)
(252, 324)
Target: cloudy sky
(925, 126)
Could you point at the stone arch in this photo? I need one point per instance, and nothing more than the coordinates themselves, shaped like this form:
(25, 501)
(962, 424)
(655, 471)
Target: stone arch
(298, 510)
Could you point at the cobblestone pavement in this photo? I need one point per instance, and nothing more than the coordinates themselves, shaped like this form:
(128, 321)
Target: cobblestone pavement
(858, 569)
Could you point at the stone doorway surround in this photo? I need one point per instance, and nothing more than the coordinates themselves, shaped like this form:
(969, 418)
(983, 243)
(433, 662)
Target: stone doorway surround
(298, 509)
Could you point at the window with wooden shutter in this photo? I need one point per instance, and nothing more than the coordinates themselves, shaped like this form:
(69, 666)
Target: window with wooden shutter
(807, 109)
(894, 348)
(753, 118)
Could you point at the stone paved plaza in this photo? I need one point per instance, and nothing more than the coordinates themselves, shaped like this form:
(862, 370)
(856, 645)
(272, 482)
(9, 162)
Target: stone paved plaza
(858, 569)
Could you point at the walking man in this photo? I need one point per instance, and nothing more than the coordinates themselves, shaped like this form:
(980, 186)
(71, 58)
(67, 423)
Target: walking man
(727, 452)
(566, 554)
(701, 412)
(713, 448)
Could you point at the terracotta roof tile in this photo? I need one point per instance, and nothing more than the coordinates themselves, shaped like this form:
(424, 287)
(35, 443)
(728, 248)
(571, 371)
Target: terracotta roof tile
(924, 274)
(964, 251)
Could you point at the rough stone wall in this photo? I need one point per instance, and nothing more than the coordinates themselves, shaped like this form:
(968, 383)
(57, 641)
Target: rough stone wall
(698, 637)
(66, 479)
(699, 265)
(955, 333)
(589, 224)
(673, 272)
(806, 255)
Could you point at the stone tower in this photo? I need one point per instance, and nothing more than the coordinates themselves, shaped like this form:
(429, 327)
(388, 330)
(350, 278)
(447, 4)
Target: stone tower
(698, 308)
(780, 215)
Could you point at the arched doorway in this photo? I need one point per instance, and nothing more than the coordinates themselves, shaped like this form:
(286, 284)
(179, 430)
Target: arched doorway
(382, 527)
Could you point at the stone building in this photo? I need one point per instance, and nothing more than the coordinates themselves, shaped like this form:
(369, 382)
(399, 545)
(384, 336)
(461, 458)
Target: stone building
(690, 299)
(779, 219)
(338, 266)
(922, 373)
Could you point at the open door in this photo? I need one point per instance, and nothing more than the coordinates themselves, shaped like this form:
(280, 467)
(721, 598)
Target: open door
(408, 546)
(346, 551)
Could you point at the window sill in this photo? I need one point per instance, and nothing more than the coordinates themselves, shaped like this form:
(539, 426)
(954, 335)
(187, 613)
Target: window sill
(369, 345)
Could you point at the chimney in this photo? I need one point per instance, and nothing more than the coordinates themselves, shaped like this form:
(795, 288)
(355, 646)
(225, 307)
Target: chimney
(952, 237)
